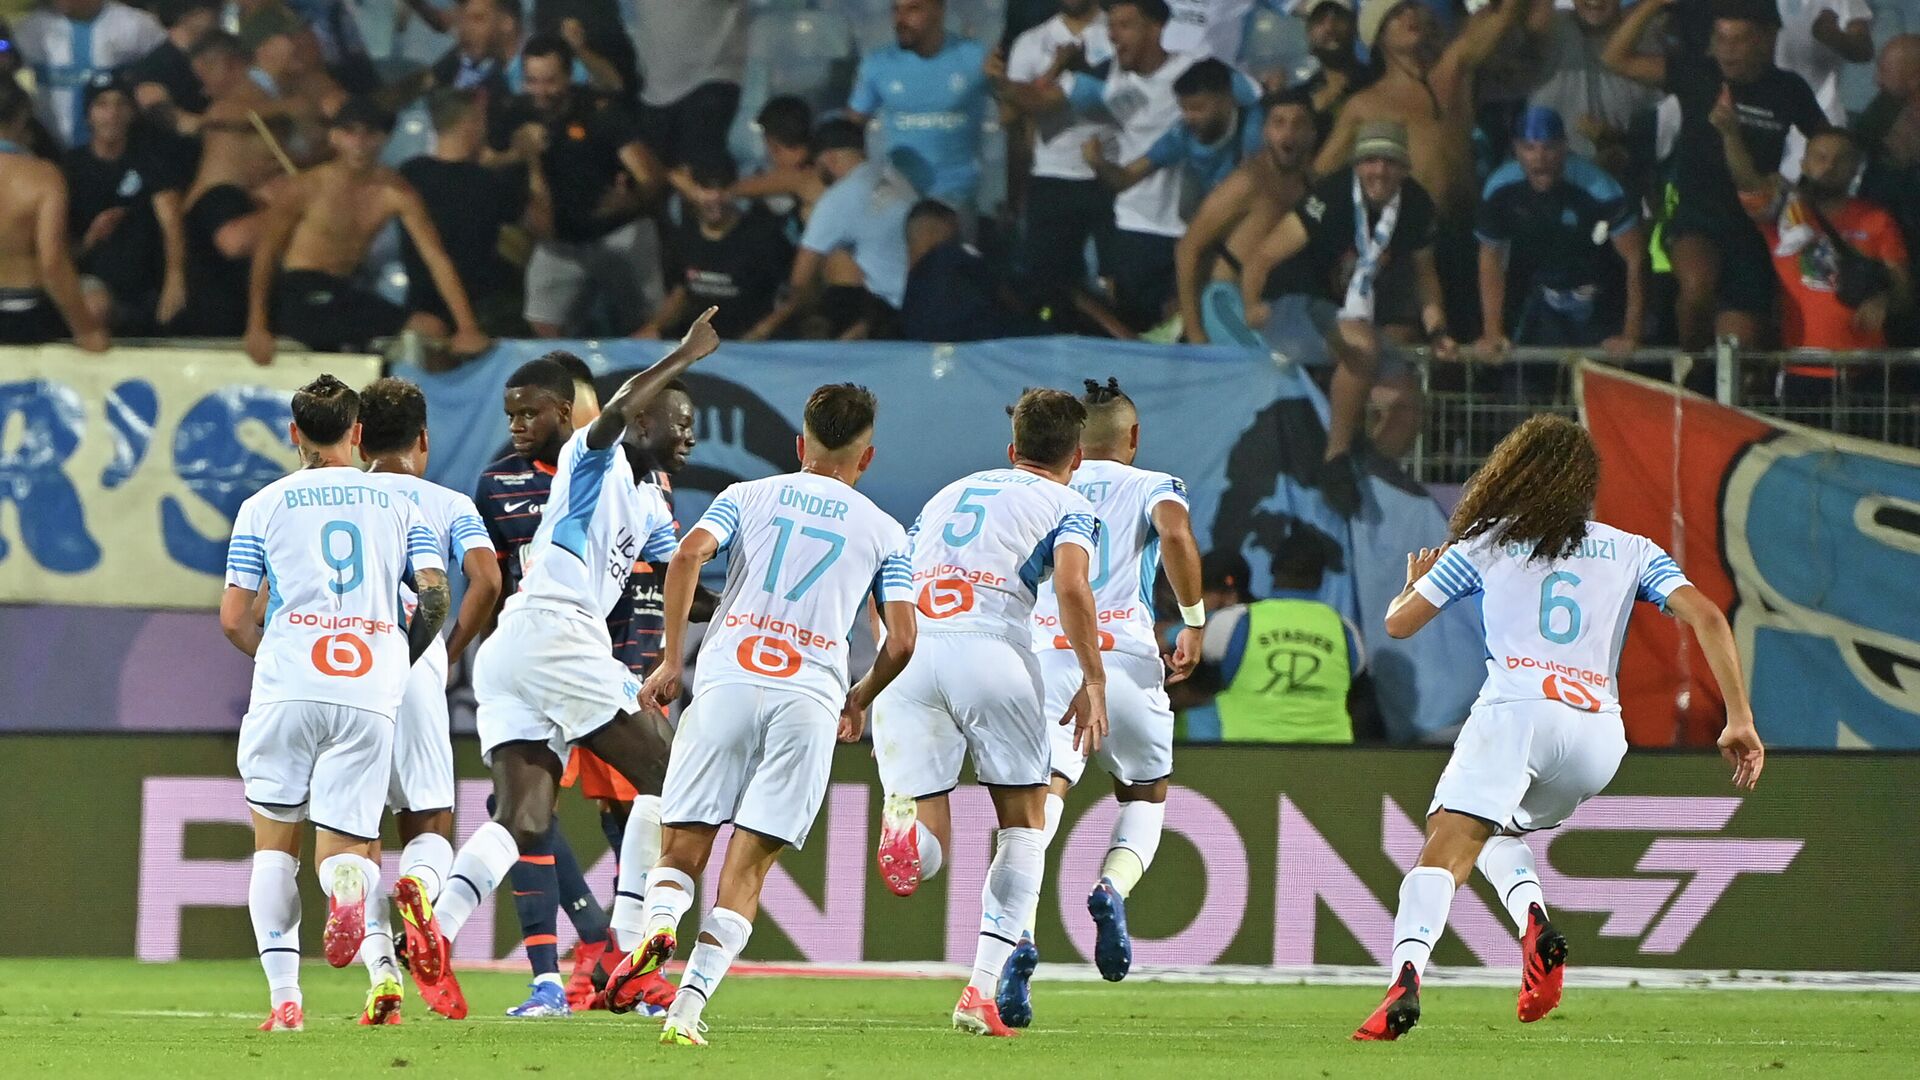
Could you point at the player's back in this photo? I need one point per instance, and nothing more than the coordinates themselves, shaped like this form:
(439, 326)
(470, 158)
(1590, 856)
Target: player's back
(1123, 571)
(1554, 627)
(450, 516)
(984, 544)
(596, 524)
(803, 553)
(333, 550)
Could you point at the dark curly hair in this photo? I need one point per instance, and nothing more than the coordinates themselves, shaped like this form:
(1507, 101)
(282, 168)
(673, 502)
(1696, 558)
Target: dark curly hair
(1536, 488)
(393, 413)
(325, 410)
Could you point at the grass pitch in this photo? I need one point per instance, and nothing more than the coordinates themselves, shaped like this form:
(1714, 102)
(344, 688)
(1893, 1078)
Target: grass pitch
(73, 1018)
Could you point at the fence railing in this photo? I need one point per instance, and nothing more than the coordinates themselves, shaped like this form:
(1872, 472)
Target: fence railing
(1474, 401)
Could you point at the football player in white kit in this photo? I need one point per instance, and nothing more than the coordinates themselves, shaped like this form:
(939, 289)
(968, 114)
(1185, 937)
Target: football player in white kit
(1143, 523)
(330, 665)
(393, 442)
(546, 678)
(755, 748)
(1545, 734)
(981, 549)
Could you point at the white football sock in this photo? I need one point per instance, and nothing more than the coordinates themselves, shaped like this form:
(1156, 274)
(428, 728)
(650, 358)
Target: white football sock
(1136, 839)
(273, 901)
(932, 858)
(710, 960)
(1426, 895)
(1012, 890)
(376, 951)
(639, 851)
(1055, 807)
(430, 858)
(483, 860)
(1507, 862)
(669, 898)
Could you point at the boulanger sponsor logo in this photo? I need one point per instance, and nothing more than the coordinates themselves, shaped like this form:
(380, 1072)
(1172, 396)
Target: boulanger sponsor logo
(945, 598)
(770, 656)
(342, 655)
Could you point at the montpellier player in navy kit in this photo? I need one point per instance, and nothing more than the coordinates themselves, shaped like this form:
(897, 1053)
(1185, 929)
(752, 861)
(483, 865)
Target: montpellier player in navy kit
(330, 668)
(1545, 734)
(1143, 521)
(981, 549)
(546, 678)
(755, 748)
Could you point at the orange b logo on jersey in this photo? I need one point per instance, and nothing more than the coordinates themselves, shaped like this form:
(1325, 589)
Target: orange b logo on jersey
(945, 598)
(769, 656)
(1570, 693)
(1106, 642)
(344, 655)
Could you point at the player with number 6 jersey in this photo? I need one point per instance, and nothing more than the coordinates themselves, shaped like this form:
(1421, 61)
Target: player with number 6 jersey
(1545, 735)
(804, 553)
(331, 661)
(982, 547)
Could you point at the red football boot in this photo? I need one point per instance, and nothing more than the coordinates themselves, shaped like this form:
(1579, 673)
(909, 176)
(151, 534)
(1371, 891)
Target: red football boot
(580, 989)
(1398, 1013)
(1544, 953)
(422, 930)
(638, 977)
(978, 1014)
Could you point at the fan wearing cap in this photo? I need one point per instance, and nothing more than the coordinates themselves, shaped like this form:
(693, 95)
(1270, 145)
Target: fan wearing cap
(1366, 237)
(1332, 35)
(317, 237)
(39, 290)
(124, 218)
(1720, 261)
(1561, 229)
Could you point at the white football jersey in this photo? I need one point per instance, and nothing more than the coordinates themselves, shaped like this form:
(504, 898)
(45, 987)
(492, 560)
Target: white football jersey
(332, 549)
(1554, 627)
(1127, 562)
(803, 553)
(597, 524)
(455, 521)
(985, 543)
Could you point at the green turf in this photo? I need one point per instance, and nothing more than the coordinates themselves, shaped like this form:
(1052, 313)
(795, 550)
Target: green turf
(105, 1018)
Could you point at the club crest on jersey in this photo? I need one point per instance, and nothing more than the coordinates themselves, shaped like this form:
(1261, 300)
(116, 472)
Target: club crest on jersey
(344, 656)
(769, 656)
(945, 598)
(1570, 693)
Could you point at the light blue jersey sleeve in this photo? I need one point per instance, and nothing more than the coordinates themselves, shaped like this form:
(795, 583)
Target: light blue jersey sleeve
(423, 548)
(1660, 578)
(894, 582)
(247, 549)
(1453, 577)
(865, 98)
(722, 518)
(1171, 148)
(1082, 530)
(830, 227)
(1086, 93)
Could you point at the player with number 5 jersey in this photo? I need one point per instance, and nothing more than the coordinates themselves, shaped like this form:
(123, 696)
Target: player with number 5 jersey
(330, 664)
(982, 547)
(1545, 735)
(804, 553)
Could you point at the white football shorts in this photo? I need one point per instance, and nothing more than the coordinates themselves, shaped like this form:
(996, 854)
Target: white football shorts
(314, 759)
(548, 676)
(962, 696)
(422, 743)
(1138, 748)
(757, 756)
(1527, 765)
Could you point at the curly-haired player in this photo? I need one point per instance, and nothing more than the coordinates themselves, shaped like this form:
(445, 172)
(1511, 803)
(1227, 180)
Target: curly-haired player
(1545, 734)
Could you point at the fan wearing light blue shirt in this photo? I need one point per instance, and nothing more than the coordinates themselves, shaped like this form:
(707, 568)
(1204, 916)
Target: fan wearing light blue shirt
(1219, 127)
(930, 92)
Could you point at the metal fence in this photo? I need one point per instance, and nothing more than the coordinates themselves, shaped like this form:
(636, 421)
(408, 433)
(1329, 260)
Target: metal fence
(1471, 403)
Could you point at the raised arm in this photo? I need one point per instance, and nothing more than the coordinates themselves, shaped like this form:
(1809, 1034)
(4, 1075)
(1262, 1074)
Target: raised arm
(1484, 31)
(1180, 557)
(1622, 54)
(638, 391)
(1740, 742)
(1758, 192)
(1852, 42)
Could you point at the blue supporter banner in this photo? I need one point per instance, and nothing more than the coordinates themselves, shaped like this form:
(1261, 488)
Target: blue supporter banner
(1243, 431)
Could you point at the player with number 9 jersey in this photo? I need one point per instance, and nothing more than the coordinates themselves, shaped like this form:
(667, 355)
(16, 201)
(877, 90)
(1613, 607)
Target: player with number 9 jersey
(332, 548)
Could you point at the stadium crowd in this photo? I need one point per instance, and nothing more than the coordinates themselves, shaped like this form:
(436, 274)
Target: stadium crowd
(1582, 173)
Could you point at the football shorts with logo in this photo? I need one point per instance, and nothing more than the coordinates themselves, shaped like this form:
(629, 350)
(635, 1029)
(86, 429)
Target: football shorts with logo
(1528, 765)
(1138, 748)
(754, 755)
(963, 696)
(312, 760)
